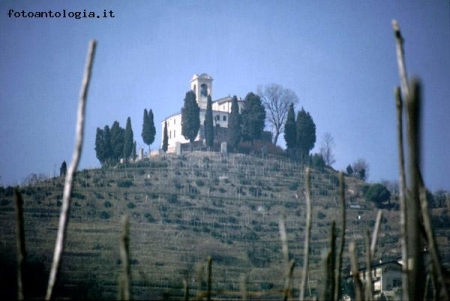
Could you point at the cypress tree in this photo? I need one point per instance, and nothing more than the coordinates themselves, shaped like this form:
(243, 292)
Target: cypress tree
(234, 124)
(148, 128)
(133, 152)
(208, 124)
(128, 140)
(108, 151)
(63, 169)
(165, 143)
(290, 130)
(306, 133)
(100, 145)
(190, 117)
(151, 126)
(103, 149)
(117, 141)
(253, 118)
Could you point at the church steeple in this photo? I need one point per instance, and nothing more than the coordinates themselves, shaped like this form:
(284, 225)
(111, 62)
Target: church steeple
(202, 87)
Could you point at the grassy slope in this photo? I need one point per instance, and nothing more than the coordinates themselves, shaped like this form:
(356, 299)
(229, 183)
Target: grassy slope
(181, 210)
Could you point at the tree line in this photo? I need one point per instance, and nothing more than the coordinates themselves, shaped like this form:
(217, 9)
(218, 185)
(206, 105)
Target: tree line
(272, 104)
(115, 143)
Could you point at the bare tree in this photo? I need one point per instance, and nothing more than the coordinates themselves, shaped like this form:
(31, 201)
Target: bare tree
(361, 169)
(391, 185)
(276, 99)
(326, 149)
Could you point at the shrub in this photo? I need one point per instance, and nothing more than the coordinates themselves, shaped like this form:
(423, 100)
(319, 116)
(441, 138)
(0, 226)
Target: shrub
(98, 196)
(130, 205)
(172, 199)
(107, 204)
(317, 162)
(77, 195)
(320, 215)
(199, 183)
(149, 217)
(377, 194)
(293, 186)
(104, 215)
(124, 183)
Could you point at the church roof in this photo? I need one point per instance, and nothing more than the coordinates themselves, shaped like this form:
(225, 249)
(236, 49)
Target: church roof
(203, 75)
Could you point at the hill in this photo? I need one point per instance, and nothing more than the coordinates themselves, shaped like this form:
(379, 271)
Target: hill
(183, 209)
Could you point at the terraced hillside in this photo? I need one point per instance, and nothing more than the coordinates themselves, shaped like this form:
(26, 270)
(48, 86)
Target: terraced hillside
(183, 209)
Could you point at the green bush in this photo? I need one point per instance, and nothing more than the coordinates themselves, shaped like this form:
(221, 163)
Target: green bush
(293, 186)
(124, 183)
(172, 198)
(107, 204)
(320, 215)
(199, 183)
(377, 194)
(130, 205)
(149, 217)
(77, 195)
(104, 215)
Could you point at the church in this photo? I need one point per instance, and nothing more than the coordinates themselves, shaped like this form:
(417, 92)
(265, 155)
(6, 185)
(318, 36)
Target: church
(202, 87)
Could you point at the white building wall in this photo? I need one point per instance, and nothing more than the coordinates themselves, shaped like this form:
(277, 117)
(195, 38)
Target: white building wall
(221, 111)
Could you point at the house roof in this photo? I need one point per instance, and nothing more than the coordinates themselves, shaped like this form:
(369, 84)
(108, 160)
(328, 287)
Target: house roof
(201, 110)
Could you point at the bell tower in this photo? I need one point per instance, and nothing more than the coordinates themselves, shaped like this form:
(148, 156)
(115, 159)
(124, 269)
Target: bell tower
(202, 87)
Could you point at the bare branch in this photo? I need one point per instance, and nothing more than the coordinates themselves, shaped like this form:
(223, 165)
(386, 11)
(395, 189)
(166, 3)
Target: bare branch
(326, 149)
(369, 285)
(307, 234)
(415, 246)
(355, 273)
(328, 257)
(125, 258)
(342, 241)
(68, 186)
(209, 266)
(375, 233)
(402, 193)
(186, 289)
(21, 249)
(401, 59)
(276, 100)
(244, 287)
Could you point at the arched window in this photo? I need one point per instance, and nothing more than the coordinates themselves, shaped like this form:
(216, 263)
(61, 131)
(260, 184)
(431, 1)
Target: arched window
(204, 90)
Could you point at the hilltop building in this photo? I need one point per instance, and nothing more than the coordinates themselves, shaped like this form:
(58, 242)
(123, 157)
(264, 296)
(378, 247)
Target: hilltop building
(202, 87)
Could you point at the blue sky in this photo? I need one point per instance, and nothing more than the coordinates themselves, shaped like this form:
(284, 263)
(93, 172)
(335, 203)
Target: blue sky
(338, 56)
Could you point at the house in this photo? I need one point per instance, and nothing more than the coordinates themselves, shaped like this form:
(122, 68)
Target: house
(386, 279)
(202, 87)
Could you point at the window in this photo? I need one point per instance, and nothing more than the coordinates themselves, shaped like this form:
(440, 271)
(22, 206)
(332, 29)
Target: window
(204, 89)
(173, 133)
(170, 134)
(217, 117)
(396, 283)
(174, 121)
(224, 118)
